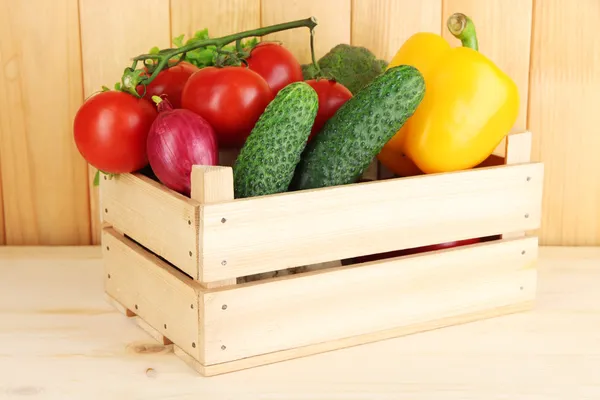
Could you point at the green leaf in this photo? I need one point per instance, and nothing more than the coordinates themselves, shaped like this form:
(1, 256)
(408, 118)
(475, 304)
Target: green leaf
(105, 89)
(154, 50)
(202, 35)
(118, 86)
(178, 41)
(97, 178)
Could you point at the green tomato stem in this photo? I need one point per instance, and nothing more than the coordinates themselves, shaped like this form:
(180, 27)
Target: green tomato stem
(312, 53)
(463, 28)
(165, 55)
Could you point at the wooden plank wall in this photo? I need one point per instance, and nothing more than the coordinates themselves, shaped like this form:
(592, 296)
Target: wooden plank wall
(53, 58)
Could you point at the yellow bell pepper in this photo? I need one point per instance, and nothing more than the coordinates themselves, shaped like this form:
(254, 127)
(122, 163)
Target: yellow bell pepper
(469, 106)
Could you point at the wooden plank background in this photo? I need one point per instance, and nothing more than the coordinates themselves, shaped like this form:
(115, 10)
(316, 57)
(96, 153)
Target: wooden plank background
(55, 57)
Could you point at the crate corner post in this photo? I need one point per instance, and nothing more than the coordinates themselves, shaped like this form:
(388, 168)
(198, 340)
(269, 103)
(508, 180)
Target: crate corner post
(211, 185)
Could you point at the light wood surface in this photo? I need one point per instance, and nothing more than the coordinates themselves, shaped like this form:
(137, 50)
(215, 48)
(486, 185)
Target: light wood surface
(162, 296)
(267, 317)
(160, 219)
(314, 226)
(210, 185)
(61, 340)
(383, 25)
(44, 180)
(333, 17)
(110, 37)
(565, 93)
(43, 176)
(221, 17)
(2, 236)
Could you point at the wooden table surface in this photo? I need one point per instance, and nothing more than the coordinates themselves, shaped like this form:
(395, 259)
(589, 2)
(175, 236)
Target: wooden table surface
(60, 340)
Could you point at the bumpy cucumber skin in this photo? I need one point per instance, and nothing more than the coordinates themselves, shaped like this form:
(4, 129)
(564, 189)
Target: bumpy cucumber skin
(268, 159)
(349, 141)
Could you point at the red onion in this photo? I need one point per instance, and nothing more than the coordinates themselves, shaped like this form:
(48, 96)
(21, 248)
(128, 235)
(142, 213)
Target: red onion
(178, 139)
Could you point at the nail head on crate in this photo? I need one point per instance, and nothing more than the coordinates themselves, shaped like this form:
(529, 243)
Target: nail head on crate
(522, 251)
(223, 347)
(528, 178)
(165, 326)
(106, 210)
(194, 344)
(223, 220)
(190, 253)
(224, 262)
(224, 307)
(189, 221)
(526, 215)
(136, 306)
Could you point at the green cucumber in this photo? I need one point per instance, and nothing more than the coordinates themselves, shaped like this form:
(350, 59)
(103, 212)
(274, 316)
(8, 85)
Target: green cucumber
(268, 159)
(348, 142)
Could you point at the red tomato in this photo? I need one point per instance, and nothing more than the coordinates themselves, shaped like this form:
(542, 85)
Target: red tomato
(169, 82)
(110, 130)
(332, 95)
(231, 99)
(276, 64)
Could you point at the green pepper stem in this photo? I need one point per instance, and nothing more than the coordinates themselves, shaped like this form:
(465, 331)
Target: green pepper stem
(463, 28)
(165, 55)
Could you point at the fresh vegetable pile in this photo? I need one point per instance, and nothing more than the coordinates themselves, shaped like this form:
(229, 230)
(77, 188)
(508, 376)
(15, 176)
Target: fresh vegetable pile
(431, 109)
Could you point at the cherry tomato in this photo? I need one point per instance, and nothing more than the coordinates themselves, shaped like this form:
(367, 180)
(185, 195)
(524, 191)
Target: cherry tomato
(231, 99)
(169, 82)
(276, 64)
(110, 131)
(332, 95)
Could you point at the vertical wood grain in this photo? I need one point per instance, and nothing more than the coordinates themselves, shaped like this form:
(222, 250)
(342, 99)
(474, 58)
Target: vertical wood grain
(382, 26)
(220, 17)
(564, 117)
(504, 35)
(110, 37)
(44, 178)
(333, 17)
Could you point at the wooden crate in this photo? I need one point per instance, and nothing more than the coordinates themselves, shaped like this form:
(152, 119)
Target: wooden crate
(186, 268)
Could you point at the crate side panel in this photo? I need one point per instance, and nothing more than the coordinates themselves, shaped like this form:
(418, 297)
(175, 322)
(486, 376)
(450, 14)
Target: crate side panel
(161, 296)
(154, 216)
(298, 352)
(309, 227)
(332, 305)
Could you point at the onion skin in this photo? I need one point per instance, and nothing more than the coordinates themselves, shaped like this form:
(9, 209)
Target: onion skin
(179, 139)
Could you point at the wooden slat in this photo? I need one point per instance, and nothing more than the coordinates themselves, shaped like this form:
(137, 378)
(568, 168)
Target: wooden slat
(110, 37)
(43, 176)
(160, 219)
(158, 294)
(564, 117)
(220, 17)
(376, 26)
(518, 150)
(210, 185)
(504, 34)
(333, 17)
(307, 227)
(305, 351)
(331, 305)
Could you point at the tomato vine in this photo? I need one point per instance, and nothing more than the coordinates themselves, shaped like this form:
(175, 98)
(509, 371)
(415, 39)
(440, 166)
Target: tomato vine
(163, 58)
